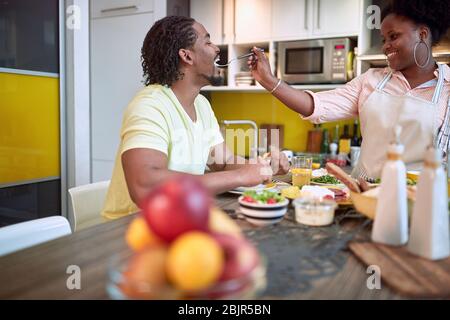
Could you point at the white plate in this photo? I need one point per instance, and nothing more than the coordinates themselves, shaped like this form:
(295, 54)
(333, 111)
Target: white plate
(260, 187)
(328, 185)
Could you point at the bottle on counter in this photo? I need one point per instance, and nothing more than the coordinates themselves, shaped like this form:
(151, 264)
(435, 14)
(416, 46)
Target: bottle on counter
(345, 141)
(333, 150)
(429, 236)
(336, 134)
(355, 139)
(333, 153)
(314, 142)
(325, 142)
(391, 218)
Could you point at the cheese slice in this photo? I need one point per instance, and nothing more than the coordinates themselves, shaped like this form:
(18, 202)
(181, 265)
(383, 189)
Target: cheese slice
(315, 192)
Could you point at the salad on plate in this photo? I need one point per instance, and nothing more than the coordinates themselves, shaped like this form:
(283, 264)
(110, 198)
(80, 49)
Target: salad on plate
(264, 197)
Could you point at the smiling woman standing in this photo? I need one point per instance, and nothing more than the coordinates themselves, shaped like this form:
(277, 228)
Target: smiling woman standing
(412, 92)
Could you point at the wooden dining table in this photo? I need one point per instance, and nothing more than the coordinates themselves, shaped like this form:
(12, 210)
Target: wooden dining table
(302, 262)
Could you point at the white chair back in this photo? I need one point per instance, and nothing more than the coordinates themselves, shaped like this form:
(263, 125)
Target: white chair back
(27, 234)
(87, 204)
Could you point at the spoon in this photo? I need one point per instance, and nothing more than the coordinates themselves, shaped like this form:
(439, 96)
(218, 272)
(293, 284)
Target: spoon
(216, 63)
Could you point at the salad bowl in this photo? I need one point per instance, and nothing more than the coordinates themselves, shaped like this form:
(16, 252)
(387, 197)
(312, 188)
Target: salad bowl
(263, 208)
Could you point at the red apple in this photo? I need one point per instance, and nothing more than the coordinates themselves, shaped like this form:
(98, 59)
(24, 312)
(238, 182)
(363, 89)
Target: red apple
(241, 257)
(178, 205)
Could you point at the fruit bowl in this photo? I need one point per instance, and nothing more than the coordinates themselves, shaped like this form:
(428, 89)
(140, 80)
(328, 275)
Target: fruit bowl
(120, 287)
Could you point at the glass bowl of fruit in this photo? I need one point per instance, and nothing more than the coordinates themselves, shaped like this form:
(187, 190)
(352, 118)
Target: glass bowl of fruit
(157, 274)
(184, 248)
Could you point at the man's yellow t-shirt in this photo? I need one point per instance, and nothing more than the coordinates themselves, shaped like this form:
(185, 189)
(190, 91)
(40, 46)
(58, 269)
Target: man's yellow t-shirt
(156, 120)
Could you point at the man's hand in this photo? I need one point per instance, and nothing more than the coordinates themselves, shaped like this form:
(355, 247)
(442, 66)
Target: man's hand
(253, 174)
(279, 162)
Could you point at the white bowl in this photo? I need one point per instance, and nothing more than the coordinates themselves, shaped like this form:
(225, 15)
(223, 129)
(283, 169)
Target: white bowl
(263, 214)
(263, 222)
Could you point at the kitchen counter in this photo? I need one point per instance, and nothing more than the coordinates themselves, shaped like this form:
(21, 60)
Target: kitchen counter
(303, 262)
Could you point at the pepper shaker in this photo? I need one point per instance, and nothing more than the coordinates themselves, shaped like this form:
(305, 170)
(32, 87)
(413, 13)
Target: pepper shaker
(391, 218)
(429, 226)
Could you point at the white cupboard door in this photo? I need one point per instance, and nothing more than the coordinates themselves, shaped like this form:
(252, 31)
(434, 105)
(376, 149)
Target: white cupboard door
(116, 76)
(253, 20)
(110, 8)
(210, 14)
(291, 19)
(332, 17)
(228, 21)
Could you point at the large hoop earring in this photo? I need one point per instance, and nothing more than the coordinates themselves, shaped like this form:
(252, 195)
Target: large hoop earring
(428, 54)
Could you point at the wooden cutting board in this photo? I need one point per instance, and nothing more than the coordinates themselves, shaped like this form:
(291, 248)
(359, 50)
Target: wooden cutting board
(405, 273)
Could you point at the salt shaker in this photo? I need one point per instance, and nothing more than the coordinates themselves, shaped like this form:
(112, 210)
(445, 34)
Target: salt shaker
(429, 236)
(391, 218)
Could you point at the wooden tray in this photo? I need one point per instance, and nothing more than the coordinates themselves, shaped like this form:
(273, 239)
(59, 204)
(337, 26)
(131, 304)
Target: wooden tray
(404, 272)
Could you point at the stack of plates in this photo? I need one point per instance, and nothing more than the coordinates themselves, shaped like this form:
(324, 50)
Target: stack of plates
(244, 79)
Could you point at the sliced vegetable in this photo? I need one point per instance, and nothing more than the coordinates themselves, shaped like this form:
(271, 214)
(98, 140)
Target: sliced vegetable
(326, 179)
(264, 197)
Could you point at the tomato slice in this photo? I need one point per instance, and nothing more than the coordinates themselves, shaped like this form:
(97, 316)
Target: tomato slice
(248, 199)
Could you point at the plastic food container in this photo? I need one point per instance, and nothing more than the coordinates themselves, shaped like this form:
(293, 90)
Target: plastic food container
(314, 212)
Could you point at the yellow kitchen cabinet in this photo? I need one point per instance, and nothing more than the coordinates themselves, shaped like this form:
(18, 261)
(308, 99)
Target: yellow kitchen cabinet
(29, 129)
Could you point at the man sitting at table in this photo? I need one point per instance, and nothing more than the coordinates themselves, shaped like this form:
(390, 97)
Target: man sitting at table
(170, 128)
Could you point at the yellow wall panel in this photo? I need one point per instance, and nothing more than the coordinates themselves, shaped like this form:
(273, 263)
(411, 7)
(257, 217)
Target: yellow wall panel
(29, 128)
(264, 108)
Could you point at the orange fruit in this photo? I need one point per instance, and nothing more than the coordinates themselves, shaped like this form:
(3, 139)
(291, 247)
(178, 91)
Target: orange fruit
(139, 236)
(220, 222)
(145, 275)
(195, 261)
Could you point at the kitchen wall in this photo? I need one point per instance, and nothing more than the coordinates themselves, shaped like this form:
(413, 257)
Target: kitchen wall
(264, 108)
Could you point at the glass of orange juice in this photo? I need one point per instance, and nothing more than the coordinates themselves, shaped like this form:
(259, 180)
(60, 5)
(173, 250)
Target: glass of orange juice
(301, 170)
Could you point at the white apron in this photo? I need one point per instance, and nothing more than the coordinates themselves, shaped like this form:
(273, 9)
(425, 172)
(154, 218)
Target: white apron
(381, 113)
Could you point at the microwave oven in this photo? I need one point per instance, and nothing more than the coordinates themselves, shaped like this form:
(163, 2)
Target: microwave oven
(315, 61)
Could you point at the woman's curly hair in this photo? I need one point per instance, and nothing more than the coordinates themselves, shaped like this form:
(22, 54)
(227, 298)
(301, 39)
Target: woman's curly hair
(433, 13)
(159, 54)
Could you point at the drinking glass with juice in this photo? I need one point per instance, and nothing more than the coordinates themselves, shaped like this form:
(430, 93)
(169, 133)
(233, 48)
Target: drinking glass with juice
(301, 171)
